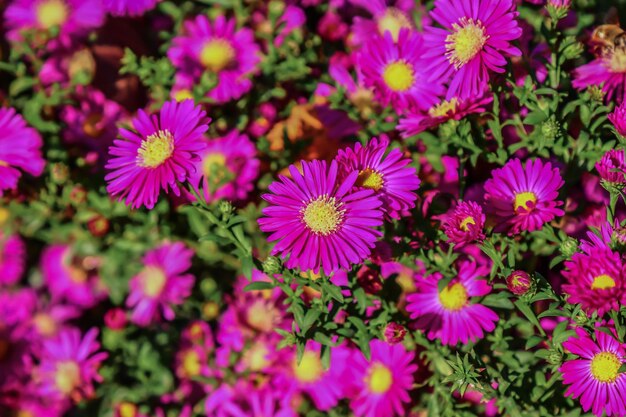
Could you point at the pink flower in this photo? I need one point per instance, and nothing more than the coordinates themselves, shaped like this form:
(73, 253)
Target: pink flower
(595, 376)
(161, 284)
(518, 282)
(618, 118)
(465, 224)
(12, 258)
(523, 197)
(612, 167)
(450, 315)
(384, 18)
(129, 7)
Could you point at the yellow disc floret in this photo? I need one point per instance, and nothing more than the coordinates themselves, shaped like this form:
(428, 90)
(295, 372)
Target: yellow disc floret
(323, 215)
(67, 377)
(379, 378)
(51, 13)
(368, 178)
(399, 76)
(605, 366)
(310, 368)
(153, 280)
(467, 40)
(520, 204)
(156, 149)
(453, 297)
(466, 221)
(217, 54)
(392, 21)
(602, 282)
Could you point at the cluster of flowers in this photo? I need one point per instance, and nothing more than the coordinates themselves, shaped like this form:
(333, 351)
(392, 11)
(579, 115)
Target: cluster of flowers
(395, 214)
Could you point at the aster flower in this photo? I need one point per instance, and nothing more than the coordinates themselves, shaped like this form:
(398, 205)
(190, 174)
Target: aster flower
(161, 283)
(450, 315)
(388, 175)
(607, 71)
(380, 387)
(68, 280)
(418, 120)
(523, 197)
(218, 48)
(129, 7)
(91, 124)
(12, 258)
(519, 282)
(395, 72)
(595, 377)
(474, 39)
(74, 18)
(612, 167)
(618, 119)
(161, 152)
(69, 365)
(319, 221)
(465, 224)
(246, 399)
(383, 19)
(20, 147)
(596, 280)
(228, 168)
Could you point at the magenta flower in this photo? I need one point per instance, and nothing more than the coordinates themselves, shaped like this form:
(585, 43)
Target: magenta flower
(618, 118)
(69, 366)
(74, 18)
(595, 377)
(161, 283)
(67, 280)
(159, 154)
(383, 19)
(20, 147)
(387, 175)
(596, 280)
(249, 400)
(12, 259)
(380, 387)
(523, 197)
(518, 282)
(418, 120)
(319, 221)
(129, 7)
(450, 315)
(612, 167)
(474, 40)
(395, 72)
(608, 71)
(216, 47)
(91, 124)
(228, 168)
(465, 224)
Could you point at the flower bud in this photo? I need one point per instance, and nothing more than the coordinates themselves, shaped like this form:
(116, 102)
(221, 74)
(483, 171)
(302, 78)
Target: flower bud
(115, 318)
(554, 357)
(394, 333)
(98, 225)
(569, 247)
(519, 282)
(550, 129)
(272, 265)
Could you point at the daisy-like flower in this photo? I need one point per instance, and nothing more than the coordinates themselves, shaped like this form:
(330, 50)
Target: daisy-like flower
(596, 280)
(12, 257)
(160, 152)
(319, 221)
(608, 71)
(69, 365)
(417, 121)
(618, 118)
(474, 39)
(388, 175)
(450, 315)
(218, 48)
(228, 168)
(612, 167)
(20, 147)
(129, 7)
(395, 72)
(380, 387)
(383, 19)
(465, 224)
(161, 283)
(523, 197)
(74, 18)
(595, 377)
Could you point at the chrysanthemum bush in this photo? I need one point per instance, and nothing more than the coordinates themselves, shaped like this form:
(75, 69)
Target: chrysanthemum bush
(312, 208)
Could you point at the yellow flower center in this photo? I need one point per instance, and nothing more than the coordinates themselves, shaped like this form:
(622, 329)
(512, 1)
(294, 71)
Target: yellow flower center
(182, 95)
(603, 282)
(261, 316)
(442, 109)
(256, 357)
(466, 221)
(323, 215)
(371, 179)
(399, 76)
(152, 280)
(127, 409)
(51, 13)
(393, 21)
(67, 377)
(522, 199)
(46, 326)
(379, 378)
(310, 368)
(217, 54)
(77, 275)
(214, 167)
(453, 297)
(605, 366)
(467, 40)
(156, 149)
(191, 363)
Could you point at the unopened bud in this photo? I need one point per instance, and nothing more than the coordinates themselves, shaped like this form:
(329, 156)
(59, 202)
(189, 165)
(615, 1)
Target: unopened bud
(519, 282)
(394, 333)
(569, 247)
(272, 265)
